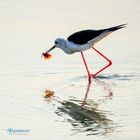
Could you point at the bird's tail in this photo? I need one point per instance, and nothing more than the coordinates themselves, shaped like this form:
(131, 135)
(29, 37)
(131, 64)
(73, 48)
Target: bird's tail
(117, 27)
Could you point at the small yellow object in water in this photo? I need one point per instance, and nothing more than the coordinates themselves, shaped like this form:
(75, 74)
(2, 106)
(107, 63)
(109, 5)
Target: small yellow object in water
(48, 93)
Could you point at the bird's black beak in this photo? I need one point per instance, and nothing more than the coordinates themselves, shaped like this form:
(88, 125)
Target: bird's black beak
(50, 49)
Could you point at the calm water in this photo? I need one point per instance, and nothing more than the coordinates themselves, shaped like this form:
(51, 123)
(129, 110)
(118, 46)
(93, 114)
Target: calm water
(109, 108)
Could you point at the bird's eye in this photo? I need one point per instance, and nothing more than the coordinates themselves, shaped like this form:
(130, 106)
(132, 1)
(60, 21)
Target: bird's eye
(56, 42)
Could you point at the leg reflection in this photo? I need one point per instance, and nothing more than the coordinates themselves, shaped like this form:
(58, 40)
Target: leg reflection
(86, 94)
(106, 89)
(105, 86)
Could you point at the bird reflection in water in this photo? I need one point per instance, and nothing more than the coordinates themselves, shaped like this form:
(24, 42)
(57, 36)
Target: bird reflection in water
(84, 116)
(106, 89)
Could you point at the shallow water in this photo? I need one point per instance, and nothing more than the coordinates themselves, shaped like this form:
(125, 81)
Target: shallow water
(108, 108)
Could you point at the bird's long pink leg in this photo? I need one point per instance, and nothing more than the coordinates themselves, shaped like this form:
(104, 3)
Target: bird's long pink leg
(89, 75)
(109, 62)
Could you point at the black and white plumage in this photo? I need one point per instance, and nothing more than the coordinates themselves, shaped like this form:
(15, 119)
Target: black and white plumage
(83, 40)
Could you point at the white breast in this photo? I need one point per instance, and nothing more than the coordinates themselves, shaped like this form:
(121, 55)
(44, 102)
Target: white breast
(72, 48)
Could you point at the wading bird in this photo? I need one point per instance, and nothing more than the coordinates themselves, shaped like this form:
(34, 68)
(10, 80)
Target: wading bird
(82, 41)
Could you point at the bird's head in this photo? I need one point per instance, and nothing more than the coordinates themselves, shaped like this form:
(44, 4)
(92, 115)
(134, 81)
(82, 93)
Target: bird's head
(58, 43)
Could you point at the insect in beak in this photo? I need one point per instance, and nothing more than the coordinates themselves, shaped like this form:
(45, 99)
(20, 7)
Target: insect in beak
(46, 55)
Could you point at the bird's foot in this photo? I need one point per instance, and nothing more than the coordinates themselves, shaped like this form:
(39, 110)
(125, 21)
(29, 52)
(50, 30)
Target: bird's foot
(93, 75)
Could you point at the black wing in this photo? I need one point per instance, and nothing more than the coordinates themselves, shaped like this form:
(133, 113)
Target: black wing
(82, 37)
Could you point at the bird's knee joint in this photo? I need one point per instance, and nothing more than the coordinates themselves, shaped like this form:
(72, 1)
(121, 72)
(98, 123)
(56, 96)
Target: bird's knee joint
(109, 63)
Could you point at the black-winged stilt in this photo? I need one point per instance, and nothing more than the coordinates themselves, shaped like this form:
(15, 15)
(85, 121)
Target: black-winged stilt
(84, 40)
